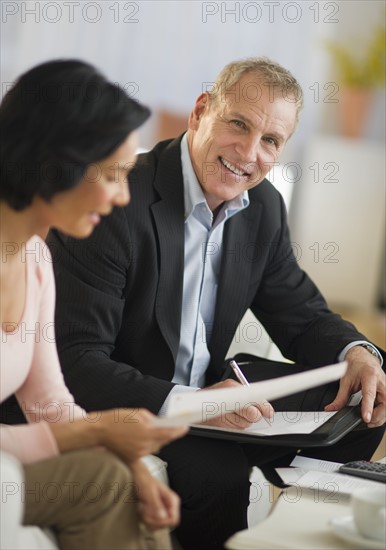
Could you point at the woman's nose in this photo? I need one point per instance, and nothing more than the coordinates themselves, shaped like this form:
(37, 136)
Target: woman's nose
(122, 196)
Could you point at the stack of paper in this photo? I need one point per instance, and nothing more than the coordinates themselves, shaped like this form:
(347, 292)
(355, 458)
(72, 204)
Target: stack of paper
(320, 475)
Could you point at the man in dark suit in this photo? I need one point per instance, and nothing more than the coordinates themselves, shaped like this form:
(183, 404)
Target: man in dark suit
(148, 305)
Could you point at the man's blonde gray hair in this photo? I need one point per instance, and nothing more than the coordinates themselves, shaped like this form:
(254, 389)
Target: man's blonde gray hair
(271, 74)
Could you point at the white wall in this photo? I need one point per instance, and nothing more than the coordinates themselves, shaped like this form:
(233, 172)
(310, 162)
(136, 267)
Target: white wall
(339, 232)
(165, 52)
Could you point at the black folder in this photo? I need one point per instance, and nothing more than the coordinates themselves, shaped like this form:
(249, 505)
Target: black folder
(327, 434)
(257, 369)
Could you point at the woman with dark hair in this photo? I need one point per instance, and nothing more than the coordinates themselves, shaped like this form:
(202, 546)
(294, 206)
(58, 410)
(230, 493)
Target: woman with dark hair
(68, 139)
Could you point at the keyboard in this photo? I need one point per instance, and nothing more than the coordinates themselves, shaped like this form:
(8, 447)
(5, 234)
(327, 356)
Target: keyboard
(361, 468)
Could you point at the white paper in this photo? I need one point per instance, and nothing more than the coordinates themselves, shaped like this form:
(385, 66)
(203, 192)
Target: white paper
(188, 408)
(303, 464)
(327, 482)
(292, 422)
(355, 399)
(290, 476)
(283, 423)
(314, 464)
(175, 421)
(322, 475)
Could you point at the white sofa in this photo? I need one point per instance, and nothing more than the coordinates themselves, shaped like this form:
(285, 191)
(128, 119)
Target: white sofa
(14, 535)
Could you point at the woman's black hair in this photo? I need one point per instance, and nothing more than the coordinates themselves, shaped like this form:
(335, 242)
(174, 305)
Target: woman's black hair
(57, 119)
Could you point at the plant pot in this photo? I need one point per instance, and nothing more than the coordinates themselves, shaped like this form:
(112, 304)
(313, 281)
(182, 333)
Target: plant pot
(354, 109)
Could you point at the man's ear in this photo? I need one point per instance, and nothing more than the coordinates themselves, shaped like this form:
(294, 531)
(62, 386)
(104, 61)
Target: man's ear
(201, 106)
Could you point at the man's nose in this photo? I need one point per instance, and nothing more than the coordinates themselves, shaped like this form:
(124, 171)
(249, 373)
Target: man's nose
(254, 157)
(248, 148)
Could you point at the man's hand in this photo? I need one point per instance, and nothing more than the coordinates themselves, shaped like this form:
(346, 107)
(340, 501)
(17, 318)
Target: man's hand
(363, 373)
(158, 505)
(244, 416)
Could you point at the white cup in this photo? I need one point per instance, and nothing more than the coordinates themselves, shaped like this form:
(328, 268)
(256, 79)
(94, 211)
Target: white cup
(369, 511)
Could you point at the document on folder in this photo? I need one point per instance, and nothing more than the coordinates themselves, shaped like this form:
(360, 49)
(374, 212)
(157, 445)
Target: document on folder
(284, 423)
(191, 408)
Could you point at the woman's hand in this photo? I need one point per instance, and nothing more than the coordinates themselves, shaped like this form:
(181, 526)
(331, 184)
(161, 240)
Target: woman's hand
(129, 433)
(158, 505)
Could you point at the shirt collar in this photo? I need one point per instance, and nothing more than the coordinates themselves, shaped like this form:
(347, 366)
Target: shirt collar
(193, 194)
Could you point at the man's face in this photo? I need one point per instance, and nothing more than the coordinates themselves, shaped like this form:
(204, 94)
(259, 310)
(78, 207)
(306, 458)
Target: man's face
(235, 140)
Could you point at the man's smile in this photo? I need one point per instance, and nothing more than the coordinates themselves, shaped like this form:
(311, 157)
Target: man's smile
(236, 170)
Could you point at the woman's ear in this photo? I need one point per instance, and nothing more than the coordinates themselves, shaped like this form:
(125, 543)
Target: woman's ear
(201, 106)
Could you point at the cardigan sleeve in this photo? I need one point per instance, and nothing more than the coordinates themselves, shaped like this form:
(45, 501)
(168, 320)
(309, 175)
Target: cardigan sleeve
(43, 396)
(28, 442)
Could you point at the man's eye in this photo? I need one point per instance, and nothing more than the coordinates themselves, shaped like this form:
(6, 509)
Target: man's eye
(271, 141)
(238, 123)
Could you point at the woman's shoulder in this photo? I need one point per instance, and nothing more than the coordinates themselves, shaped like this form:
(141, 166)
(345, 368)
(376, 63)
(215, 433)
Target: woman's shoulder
(38, 257)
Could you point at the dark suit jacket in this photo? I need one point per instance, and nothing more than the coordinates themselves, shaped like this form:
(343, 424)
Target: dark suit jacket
(119, 292)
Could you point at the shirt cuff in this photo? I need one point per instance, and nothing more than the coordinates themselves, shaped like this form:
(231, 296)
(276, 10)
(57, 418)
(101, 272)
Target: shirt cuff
(176, 389)
(342, 354)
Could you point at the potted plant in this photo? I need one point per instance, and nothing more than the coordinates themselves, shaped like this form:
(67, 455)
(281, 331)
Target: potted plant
(357, 77)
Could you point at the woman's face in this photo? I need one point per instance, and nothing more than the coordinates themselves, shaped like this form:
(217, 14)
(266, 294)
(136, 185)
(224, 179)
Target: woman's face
(105, 185)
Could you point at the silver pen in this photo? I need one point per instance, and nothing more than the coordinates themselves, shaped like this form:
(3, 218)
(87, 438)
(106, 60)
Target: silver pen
(241, 378)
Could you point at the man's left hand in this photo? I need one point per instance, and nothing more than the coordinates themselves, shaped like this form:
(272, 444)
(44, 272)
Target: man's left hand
(364, 373)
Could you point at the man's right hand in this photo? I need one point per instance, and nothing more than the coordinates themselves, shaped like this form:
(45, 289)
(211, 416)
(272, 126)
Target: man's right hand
(244, 416)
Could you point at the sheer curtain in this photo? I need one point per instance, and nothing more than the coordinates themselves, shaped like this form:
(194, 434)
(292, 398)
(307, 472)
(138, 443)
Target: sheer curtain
(165, 52)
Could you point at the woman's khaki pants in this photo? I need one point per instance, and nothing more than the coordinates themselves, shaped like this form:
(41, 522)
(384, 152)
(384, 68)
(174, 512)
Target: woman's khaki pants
(88, 499)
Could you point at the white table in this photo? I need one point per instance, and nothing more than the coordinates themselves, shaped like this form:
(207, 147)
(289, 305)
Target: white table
(299, 520)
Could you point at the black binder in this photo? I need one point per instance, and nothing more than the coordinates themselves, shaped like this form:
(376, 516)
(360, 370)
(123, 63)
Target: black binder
(328, 433)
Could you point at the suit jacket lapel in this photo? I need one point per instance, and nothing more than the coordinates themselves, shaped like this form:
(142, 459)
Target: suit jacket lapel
(235, 274)
(168, 215)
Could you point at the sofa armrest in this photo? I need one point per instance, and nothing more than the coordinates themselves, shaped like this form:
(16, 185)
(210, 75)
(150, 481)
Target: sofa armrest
(13, 534)
(157, 468)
